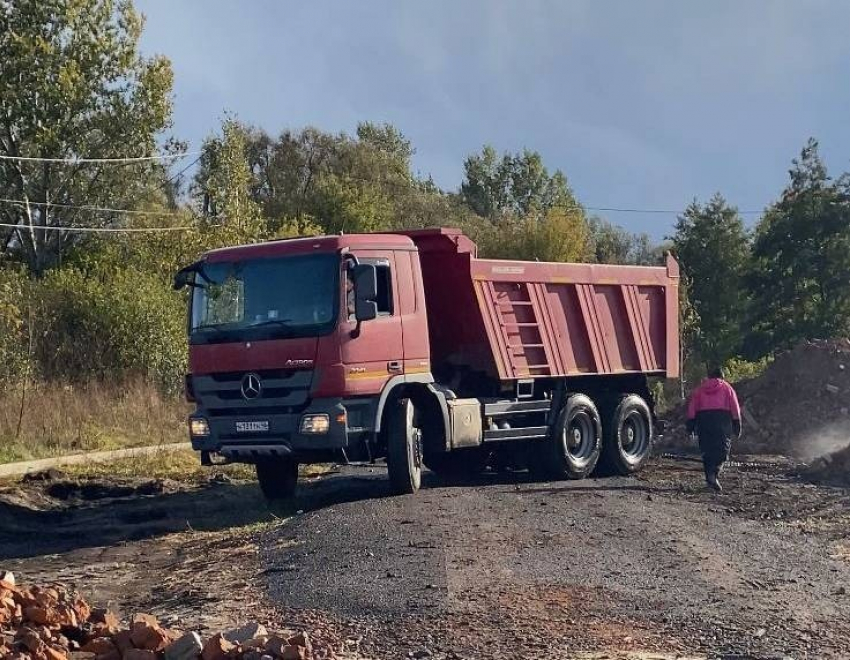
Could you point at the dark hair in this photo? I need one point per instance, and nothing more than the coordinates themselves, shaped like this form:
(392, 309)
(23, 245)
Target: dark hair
(715, 372)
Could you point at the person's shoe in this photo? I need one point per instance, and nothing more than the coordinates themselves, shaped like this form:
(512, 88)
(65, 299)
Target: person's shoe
(713, 483)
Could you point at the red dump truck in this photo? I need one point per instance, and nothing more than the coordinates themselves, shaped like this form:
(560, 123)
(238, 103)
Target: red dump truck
(408, 346)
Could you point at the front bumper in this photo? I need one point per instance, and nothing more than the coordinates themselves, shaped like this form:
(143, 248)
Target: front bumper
(283, 437)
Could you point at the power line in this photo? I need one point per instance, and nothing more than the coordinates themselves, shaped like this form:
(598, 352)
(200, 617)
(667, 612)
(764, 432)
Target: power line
(94, 209)
(94, 230)
(610, 209)
(77, 161)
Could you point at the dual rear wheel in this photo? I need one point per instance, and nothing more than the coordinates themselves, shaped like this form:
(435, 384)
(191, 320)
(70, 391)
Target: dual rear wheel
(580, 441)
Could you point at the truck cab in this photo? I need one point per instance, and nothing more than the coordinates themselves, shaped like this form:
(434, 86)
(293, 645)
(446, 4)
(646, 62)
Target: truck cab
(407, 346)
(293, 343)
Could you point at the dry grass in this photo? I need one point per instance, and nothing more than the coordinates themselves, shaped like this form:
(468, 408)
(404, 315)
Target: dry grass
(66, 419)
(183, 465)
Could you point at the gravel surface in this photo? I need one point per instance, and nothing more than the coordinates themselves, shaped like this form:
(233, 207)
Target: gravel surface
(510, 568)
(647, 568)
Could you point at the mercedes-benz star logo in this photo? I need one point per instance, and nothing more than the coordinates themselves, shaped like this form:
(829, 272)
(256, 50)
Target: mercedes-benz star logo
(252, 387)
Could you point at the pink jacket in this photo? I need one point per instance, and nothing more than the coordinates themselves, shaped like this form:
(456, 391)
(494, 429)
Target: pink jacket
(714, 394)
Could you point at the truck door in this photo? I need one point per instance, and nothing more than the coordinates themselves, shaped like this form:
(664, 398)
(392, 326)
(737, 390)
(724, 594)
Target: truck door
(376, 353)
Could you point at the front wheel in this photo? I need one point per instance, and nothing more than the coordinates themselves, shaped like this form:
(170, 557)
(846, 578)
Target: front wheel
(629, 436)
(278, 477)
(404, 448)
(572, 449)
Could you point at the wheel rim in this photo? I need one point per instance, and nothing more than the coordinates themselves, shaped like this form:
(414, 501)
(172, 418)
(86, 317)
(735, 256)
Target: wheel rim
(580, 438)
(415, 434)
(634, 436)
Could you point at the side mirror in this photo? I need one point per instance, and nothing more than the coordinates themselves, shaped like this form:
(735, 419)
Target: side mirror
(365, 292)
(184, 277)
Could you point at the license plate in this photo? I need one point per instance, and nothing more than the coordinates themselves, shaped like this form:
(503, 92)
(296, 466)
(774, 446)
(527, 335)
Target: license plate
(251, 427)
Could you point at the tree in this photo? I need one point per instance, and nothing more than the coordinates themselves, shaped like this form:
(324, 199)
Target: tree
(713, 250)
(611, 244)
(517, 184)
(73, 85)
(801, 256)
(224, 178)
(560, 235)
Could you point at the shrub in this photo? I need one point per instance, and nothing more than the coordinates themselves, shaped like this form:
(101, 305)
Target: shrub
(115, 326)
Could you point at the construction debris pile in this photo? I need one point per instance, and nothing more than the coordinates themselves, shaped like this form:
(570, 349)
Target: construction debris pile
(53, 623)
(799, 407)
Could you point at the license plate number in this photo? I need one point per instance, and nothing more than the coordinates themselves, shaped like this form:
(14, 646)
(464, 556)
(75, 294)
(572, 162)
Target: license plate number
(251, 427)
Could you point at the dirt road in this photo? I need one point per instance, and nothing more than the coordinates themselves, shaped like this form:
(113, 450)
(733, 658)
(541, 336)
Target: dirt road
(500, 568)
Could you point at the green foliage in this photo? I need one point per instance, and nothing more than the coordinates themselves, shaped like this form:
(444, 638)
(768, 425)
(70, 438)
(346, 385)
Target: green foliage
(611, 244)
(738, 369)
(560, 235)
(91, 328)
(713, 250)
(13, 339)
(74, 85)
(801, 260)
(513, 184)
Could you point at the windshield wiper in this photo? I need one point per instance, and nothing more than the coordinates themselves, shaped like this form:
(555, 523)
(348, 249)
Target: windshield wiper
(271, 322)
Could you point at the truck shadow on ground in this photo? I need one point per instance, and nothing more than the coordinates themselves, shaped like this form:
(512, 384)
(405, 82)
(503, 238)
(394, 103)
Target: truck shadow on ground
(40, 520)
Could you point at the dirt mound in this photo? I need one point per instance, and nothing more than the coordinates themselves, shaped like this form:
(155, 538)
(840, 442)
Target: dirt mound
(53, 623)
(799, 407)
(833, 469)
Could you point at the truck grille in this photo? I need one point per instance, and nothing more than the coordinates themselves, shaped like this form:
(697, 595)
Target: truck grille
(282, 391)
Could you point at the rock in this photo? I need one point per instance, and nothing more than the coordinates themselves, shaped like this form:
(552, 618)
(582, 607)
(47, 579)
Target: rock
(7, 578)
(104, 616)
(146, 634)
(216, 648)
(100, 646)
(139, 654)
(53, 653)
(146, 618)
(188, 647)
(276, 644)
(244, 633)
(293, 652)
(122, 641)
(300, 639)
(422, 653)
(81, 655)
(761, 632)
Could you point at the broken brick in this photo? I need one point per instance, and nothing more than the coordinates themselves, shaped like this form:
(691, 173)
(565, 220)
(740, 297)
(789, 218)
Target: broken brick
(122, 641)
(100, 646)
(103, 616)
(216, 648)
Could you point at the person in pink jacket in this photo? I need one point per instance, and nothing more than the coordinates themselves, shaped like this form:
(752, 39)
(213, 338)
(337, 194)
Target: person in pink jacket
(715, 416)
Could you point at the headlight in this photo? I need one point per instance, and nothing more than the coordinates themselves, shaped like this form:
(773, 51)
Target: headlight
(198, 427)
(315, 424)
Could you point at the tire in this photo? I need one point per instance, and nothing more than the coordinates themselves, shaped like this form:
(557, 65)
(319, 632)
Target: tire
(574, 444)
(629, 436)
(404, 448)
(278, 478)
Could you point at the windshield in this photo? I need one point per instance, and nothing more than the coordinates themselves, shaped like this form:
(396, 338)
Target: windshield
(265, 298)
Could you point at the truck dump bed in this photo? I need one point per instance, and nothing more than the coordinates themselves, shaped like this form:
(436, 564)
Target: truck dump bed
(518, 320)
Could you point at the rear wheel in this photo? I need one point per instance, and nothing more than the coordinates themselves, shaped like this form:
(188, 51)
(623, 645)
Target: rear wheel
(629, 436)
(278, 477)
(404, 448)
(575, 441)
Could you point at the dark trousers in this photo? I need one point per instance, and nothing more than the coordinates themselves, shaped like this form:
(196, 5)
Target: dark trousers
(715, 452)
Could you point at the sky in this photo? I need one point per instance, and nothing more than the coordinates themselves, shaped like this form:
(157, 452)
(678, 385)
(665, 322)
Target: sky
(643, 105)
